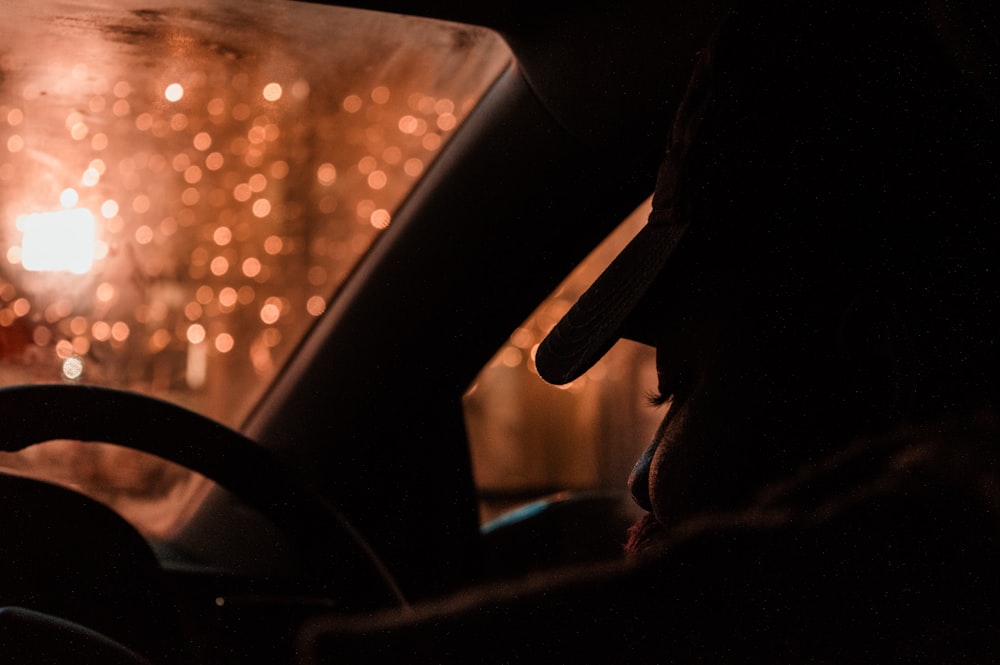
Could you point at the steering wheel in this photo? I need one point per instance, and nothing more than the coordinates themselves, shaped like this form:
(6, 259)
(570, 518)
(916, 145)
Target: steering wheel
(335, 555)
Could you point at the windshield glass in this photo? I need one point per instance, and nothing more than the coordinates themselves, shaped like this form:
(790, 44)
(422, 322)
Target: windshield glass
(184, 185)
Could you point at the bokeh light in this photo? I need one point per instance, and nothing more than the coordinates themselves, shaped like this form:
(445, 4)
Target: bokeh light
(208, 207)
(174, 92)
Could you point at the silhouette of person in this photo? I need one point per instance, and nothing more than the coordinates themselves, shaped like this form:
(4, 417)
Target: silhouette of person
(818, 278)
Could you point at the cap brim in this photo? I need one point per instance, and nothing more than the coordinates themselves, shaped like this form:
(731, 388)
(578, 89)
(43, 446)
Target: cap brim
(599, 317)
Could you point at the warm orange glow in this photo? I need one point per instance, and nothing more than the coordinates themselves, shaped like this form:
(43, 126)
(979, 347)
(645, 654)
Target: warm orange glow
(431, 142)
(191, 195)
(257, 182)
(273, 245)
(352, 103)
(202, 141)
(193, 311)
(216, 106)
(78, 131)
(261, 208)
(413, 167)
(159, 340)
(392, 155)
(380, 94)
(318, 275)
(120, 331)
(446, 122)
(101, 331)
(270, 313)
(196, 333)
(196, 371)
(214, 161)
(64, 349)
(241, 111)
(326, 174)
(522, 338)
(511, 357)
(219, 266)
(271, 337)
(407, 124)
(279, 170)
(256, 135)
(41, 336)
(380, 218)
(242, 192)
(204, 294)
(224, 343)
(365, 209)
(144, 235)
(228, 297)
(78, 325)
(272, 92)
(316, 305)
(222, 236)
(200, 188)
(300, 89)
(81, 346)
(251, 267)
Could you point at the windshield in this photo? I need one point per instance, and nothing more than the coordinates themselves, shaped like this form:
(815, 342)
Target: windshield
(184, 185)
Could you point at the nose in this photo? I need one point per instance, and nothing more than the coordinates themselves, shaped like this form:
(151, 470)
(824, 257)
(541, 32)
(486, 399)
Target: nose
(638, 480)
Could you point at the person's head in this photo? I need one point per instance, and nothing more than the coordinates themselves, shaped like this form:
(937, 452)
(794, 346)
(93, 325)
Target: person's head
(817, 263)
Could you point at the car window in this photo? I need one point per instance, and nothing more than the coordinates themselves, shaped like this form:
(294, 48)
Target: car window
(529, 439)
(184, 185)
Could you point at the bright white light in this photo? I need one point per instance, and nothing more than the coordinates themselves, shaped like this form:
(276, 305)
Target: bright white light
(272, 92)
(62, 240)
(72, 368)
(69, 197)
(174, 92)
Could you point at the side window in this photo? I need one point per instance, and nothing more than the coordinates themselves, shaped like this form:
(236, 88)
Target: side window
(530, 439)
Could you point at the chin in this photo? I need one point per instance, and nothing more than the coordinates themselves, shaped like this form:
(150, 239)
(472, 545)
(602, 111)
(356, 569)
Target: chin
(645, 537)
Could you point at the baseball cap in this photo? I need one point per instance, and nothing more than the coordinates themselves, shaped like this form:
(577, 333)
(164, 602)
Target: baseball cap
(603, 314)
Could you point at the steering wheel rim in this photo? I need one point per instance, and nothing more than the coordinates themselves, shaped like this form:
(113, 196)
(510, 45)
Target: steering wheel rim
(335, 550)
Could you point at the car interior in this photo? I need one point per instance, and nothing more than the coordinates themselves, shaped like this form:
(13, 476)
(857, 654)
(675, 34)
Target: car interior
(271, 278)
